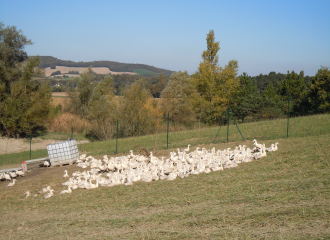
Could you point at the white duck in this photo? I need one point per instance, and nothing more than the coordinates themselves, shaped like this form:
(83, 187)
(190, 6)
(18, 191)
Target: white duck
(257, 145)
(12, 183)
(50, 194)
(187, 149)
(66, 191)
(46, 189)
(66, 173)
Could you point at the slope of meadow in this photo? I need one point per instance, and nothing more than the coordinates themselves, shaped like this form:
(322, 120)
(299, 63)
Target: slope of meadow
(285, 195)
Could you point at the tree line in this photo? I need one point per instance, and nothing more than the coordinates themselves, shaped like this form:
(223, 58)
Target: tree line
(52, 62)
(25, 101)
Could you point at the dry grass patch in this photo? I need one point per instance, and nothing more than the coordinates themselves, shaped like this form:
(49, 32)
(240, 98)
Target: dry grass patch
(66, 121)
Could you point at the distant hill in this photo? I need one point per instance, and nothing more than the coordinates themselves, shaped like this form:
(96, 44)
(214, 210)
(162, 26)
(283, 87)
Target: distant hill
(141, 69)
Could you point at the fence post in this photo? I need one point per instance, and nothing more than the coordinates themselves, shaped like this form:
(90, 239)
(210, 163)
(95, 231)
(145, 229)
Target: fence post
(117, 137)
(168, 125)
(236, 125)
(220, 127)
(30, 144)
(228, 124)
(287, 131)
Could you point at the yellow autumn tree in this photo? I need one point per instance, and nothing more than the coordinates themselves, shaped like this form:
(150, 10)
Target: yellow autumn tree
(214, 85)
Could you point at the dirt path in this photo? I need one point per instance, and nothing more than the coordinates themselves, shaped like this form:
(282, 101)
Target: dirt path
(12, 145)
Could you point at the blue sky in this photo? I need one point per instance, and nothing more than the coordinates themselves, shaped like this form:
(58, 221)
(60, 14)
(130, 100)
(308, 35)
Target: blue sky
(262, 36)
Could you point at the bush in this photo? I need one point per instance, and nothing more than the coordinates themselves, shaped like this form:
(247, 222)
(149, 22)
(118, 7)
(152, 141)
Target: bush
(73, 72)
(56, 73)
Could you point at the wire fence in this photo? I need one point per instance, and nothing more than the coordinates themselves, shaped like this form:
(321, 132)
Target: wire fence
(172, 134)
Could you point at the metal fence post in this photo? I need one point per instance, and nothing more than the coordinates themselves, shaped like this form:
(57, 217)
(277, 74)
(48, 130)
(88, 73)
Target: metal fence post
(287, 131)
(228, 125)
(236, 125)
(220, 127)
(117, 137)
(30, 144)
(168, 126)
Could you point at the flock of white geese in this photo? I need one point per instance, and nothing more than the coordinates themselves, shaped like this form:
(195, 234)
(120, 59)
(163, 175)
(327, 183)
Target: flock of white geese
(131, 168)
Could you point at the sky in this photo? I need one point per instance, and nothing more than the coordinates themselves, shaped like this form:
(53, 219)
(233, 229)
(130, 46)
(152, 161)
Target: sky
(263, 36)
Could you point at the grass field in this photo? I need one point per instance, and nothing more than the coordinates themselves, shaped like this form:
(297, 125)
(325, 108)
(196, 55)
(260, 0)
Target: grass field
(285, 195)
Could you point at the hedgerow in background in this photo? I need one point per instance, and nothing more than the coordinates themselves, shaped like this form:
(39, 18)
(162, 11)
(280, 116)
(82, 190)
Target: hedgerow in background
(24, 100)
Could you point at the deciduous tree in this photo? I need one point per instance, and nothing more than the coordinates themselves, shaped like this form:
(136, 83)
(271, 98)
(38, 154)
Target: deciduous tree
(133, 113)
(215, 86)
(24, 100)
(176, 98)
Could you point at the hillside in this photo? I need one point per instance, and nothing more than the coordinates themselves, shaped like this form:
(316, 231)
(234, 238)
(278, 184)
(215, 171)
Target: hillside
(142, 69)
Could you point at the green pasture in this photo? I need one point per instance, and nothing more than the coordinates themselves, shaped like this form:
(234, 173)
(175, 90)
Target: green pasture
(264, 130)
(285, 195)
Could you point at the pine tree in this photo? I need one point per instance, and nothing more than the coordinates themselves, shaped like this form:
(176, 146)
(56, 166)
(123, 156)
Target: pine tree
(246, 99)
(319, 94)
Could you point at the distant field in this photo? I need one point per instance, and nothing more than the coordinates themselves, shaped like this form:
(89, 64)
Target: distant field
(98, 70)
(60, 98)
(143, 71)
(60, 94)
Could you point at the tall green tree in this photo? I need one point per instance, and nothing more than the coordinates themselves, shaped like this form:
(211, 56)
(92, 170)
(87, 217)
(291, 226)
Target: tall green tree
(93, 100)
(271, 105)
(134, 115)
(82, 94)
(215, 86)
(319, 91)
(246, 99)
(176, 98)
(294, 86)
(24, 100)
(101, 109)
